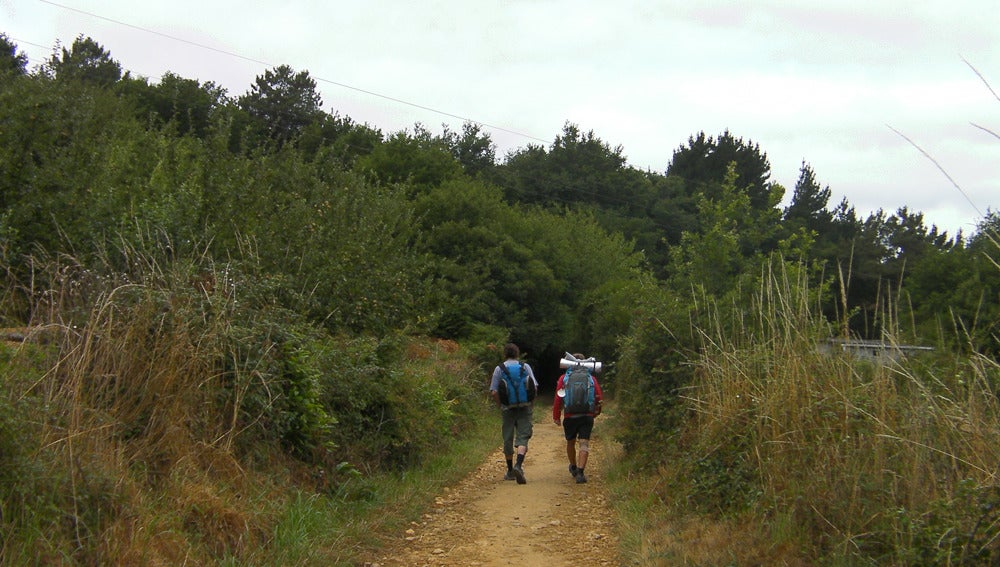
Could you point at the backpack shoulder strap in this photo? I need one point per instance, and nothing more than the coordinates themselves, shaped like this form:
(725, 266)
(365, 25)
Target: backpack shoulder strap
(504, 369)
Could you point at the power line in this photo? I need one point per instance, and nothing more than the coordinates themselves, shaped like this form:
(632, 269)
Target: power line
(320, 79)
(23, 42)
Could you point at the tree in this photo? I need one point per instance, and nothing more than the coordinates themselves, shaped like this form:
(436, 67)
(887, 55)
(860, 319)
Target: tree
(673, 213)
(186, 103)
(704, 161)
(579, 168)
(984, 248)
(10, 59)
(339, 140)
(953, 289)
(282, 102)
(55, 148)
(874, 258)
(550, 279)
(522, 174)
(710, 258)
(418, 158)
(472, 148)
(86, 61)
(808, 207)
(909, 239)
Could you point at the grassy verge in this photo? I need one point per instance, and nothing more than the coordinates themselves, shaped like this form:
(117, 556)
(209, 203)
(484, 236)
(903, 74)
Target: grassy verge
(789, 454)
(210, 508)
(366, 514)
(157, 423)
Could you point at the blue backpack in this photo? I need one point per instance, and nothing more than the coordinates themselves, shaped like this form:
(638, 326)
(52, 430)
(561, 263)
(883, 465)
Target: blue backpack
(580, 392)
(516, 389)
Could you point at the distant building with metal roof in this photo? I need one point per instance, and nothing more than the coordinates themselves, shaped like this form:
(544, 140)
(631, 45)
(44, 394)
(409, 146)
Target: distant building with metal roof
(879, 351)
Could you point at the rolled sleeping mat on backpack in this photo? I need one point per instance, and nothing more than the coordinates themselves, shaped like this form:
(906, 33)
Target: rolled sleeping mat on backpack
(593, 365)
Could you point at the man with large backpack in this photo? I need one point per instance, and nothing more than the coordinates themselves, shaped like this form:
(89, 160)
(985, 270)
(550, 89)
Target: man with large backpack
(513, 387)
(579, 397)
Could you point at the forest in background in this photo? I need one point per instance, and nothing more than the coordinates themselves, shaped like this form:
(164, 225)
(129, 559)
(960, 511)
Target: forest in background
(259, 242)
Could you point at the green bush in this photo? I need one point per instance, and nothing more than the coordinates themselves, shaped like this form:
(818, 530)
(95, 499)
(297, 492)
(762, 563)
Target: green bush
(389, 412)
(653, 370)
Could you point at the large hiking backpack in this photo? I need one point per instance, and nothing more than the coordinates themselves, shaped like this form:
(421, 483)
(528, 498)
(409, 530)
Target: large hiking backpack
(516, 389)
(579, 387)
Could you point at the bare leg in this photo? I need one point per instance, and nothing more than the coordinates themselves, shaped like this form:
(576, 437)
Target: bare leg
(571, 451)
(584, 453)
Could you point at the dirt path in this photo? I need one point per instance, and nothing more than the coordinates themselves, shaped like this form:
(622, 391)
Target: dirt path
(551, 521)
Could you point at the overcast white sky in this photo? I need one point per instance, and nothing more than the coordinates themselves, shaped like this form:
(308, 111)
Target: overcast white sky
(807, 80)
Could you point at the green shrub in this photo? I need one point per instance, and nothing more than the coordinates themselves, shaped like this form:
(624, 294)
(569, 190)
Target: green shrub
(652, 372)
(390, 412)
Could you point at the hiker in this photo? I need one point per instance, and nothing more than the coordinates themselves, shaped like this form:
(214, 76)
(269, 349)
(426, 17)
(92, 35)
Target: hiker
(513, 387)
(578, 394)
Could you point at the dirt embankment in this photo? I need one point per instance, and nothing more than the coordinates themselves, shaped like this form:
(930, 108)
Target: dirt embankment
(551, 521)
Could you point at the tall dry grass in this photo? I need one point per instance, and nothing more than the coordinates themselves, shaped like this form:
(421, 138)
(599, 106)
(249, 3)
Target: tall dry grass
(893, 462)
(169, 411)
(133, 418)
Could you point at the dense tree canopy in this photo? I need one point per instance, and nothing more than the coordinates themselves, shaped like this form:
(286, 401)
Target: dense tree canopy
(419, 158)
(310, 187)
(185, 103)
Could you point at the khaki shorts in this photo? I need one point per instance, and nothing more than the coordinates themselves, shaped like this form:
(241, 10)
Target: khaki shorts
(516, 428)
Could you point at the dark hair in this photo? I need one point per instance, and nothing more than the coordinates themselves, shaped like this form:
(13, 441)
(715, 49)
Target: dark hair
(578, 356)
(510, 350)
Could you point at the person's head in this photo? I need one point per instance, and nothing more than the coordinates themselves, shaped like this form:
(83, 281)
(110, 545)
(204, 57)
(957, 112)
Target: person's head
(578, 356)
(511, 351)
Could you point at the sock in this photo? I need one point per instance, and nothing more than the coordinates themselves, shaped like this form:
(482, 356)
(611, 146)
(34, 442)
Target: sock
(520, 459)
(510, 465)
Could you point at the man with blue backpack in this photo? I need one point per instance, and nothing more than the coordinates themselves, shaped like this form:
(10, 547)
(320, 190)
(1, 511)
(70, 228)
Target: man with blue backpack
(579, 399)
(513, 387)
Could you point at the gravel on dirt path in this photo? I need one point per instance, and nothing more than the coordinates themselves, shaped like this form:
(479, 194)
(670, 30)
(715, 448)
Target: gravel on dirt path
(550, 521)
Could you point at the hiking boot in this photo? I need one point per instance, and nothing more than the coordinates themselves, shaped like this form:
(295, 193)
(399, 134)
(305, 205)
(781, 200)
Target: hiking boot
(519, 474)
(580, 478)
(573, 470)
(510, 475)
